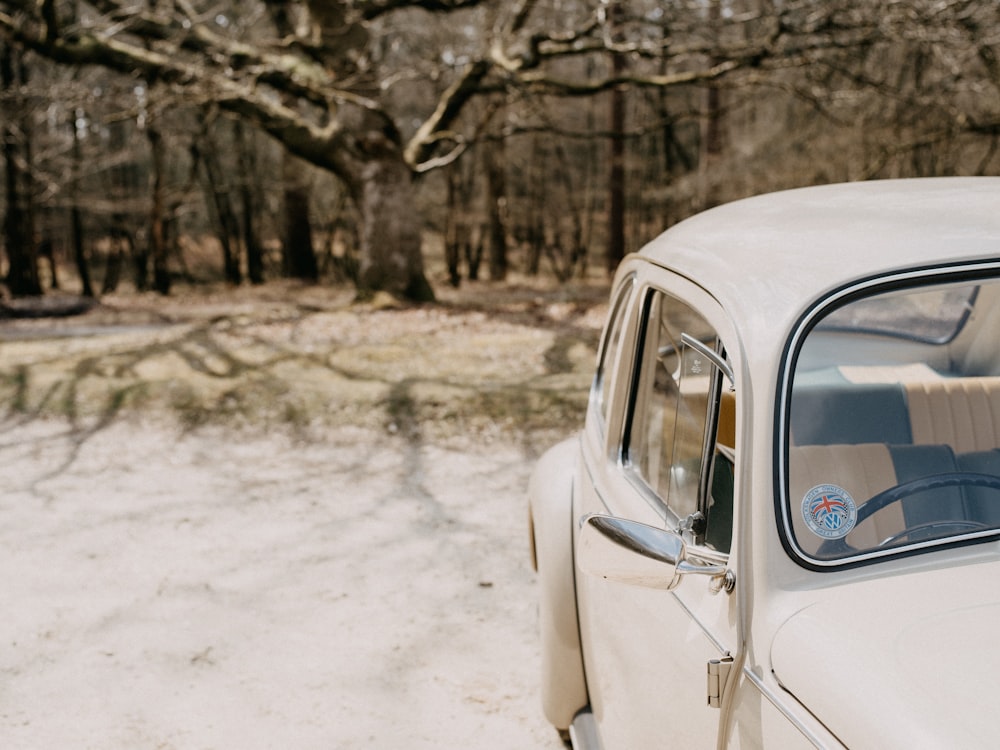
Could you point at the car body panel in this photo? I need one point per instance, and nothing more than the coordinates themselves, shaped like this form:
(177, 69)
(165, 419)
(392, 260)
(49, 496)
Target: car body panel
(624, 666)
(812, 647)
(809, 248)
(564, 688)
(704, 625)
(872, 650)
(763, 717)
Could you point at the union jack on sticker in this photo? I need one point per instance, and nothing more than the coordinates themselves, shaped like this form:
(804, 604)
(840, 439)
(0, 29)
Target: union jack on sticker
(829, 511)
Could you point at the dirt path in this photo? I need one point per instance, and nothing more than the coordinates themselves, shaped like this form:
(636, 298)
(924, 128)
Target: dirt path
(360, 581)
(206, 591)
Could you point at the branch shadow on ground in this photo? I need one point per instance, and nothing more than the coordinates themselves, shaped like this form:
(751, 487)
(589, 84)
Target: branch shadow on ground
(511, 373)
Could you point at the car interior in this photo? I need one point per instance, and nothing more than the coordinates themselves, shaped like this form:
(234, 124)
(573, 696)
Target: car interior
(893, 428)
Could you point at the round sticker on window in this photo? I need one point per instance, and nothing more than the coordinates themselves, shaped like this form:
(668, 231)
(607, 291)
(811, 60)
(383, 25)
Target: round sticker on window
(829, 511)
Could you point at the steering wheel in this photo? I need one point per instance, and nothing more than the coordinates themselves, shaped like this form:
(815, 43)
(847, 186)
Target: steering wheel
(833, 547)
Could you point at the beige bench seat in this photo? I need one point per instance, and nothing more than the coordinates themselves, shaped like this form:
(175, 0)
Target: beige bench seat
(961, 412)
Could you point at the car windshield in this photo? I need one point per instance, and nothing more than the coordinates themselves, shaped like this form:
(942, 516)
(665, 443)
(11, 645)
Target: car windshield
(892, 428)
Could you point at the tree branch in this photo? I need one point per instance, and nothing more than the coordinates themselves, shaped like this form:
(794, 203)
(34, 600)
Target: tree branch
(447, 111)
(323, 146)
(375, 8)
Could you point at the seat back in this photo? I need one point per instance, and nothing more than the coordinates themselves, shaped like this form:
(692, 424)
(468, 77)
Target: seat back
(961, 412)
(848, 413)
(983, 503)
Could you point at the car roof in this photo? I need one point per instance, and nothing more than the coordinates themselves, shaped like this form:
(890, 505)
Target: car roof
(768, 258)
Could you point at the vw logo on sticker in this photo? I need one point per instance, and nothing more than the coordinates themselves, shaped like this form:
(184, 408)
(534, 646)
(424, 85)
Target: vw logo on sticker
(829, 511)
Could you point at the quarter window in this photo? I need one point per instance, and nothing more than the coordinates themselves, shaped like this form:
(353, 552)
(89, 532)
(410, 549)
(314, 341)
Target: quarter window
(609, 352)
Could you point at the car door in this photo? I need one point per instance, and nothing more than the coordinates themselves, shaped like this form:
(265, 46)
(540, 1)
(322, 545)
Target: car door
(665, 457)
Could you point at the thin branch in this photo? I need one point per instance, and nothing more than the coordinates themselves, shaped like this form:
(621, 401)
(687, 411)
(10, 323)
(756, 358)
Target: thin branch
(375, 8)
(449, 107)
(323, 146)
(541, 81)
(892, 152)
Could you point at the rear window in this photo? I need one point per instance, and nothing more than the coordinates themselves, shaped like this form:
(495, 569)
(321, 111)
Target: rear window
(934, 316)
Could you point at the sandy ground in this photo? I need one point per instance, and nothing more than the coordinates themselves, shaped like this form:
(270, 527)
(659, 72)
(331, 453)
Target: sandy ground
(192, 560)
(223, 590)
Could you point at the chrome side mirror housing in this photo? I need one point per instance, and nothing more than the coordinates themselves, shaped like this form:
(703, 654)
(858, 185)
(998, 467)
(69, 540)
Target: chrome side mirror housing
(638, 554)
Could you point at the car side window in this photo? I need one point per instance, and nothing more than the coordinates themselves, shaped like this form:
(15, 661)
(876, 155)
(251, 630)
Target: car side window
(681, 434)
(609, 351)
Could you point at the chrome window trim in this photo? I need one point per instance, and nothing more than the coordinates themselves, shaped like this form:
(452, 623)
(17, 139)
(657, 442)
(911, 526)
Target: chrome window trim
(643, 292)
(944, 274)
(670, 519)
(619, 306)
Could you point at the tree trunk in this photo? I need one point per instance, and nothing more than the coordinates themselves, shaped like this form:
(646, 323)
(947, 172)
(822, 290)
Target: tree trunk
(227, 228)
(616, 184)
(299, 253)
(496, 195)
(711, 133)
(122, 246)
(157, 229)
(76, 218)
(474, 251)
(391, 257)
(616, 177)
(452, 231)
(534, 227)
(79, 251)
(247, 162)
(18, 226)
(47, 252)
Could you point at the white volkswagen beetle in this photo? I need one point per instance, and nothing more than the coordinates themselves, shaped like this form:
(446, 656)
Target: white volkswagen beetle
(780, 526)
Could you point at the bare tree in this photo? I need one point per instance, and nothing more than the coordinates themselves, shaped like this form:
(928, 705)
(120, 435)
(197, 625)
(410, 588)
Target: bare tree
(378, 92)
(76, 217)
(220, 195)
(496, 209)
(326, 90)
(18, 226)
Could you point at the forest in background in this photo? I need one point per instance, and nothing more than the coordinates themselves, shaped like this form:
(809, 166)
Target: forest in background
(147, 142)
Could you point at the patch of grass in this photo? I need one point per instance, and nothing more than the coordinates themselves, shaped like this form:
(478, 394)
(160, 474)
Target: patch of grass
(18, 383)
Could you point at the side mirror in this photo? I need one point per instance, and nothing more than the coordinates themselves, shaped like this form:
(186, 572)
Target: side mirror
(624, 551)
